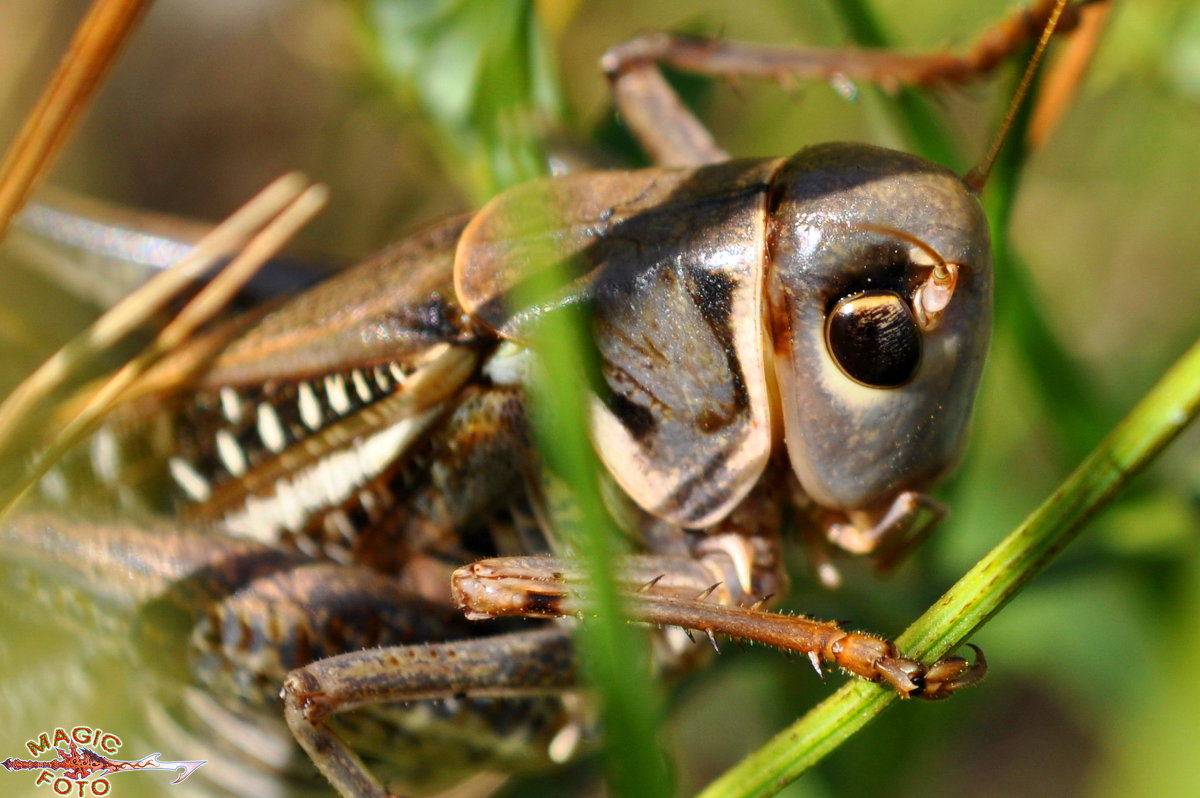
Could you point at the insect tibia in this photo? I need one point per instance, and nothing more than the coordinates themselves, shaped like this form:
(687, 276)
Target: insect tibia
(542, 587)
(866, 656)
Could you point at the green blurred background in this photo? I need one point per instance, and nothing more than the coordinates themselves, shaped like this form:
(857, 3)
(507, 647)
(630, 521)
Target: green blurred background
(1092, 690)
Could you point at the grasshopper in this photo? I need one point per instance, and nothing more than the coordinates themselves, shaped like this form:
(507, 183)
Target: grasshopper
(427, 381)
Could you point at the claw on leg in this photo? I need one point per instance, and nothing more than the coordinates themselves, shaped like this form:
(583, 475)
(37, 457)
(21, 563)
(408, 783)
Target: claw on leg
(940, 680)
(949, 675)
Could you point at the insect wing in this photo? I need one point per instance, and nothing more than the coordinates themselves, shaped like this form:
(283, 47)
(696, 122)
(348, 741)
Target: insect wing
(268, 423)
(390, 307)
(670, 263)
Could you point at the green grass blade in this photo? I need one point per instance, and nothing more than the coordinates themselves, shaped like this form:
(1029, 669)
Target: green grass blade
(483, 77)
(615, 656)
(480, 73)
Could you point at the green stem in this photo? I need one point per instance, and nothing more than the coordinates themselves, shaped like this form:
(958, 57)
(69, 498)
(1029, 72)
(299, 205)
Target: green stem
(614, 655)
(1150, 426)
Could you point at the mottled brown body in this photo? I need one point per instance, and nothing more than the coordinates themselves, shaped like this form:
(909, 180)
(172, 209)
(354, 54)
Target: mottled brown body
(324, 510)
(350, 477)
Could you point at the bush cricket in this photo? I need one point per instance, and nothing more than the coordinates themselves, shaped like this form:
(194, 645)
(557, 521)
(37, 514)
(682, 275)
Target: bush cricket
(336, 394)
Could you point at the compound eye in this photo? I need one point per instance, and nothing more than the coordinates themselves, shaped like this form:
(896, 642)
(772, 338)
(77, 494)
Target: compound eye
(874, 339)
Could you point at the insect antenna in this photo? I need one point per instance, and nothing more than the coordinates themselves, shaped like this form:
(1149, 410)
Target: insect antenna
(977, 177)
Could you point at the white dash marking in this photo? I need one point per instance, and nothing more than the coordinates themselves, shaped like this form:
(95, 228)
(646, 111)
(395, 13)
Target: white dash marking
(381, 379)
(231, 405)
(270, 428)
(54, 486)
(339, 399)
(337, 552)
(189, 479)
(417, 715)
(326, 483)
(565, 743)
(338, 525)
(231, 453)
(307, 545)
(310, 407)
(360, 385)
(256, 520)
(292, 505)
(370, 504)
(104, 453)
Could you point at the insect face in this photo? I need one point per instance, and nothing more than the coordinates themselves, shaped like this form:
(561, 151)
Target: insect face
(879, 296)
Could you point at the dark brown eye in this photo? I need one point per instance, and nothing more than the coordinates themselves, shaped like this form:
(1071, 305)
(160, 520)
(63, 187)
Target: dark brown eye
(874, 339)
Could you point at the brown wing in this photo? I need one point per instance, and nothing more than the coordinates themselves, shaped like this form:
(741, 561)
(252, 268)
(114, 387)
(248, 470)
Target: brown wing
(272, 419)
(390, 306)
(671, 263)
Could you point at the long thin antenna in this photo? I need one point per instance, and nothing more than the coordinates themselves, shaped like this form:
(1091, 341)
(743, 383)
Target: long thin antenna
(979, 174)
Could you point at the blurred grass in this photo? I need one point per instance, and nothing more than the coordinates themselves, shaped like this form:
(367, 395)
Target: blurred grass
(1091, 692)
(482, 75)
